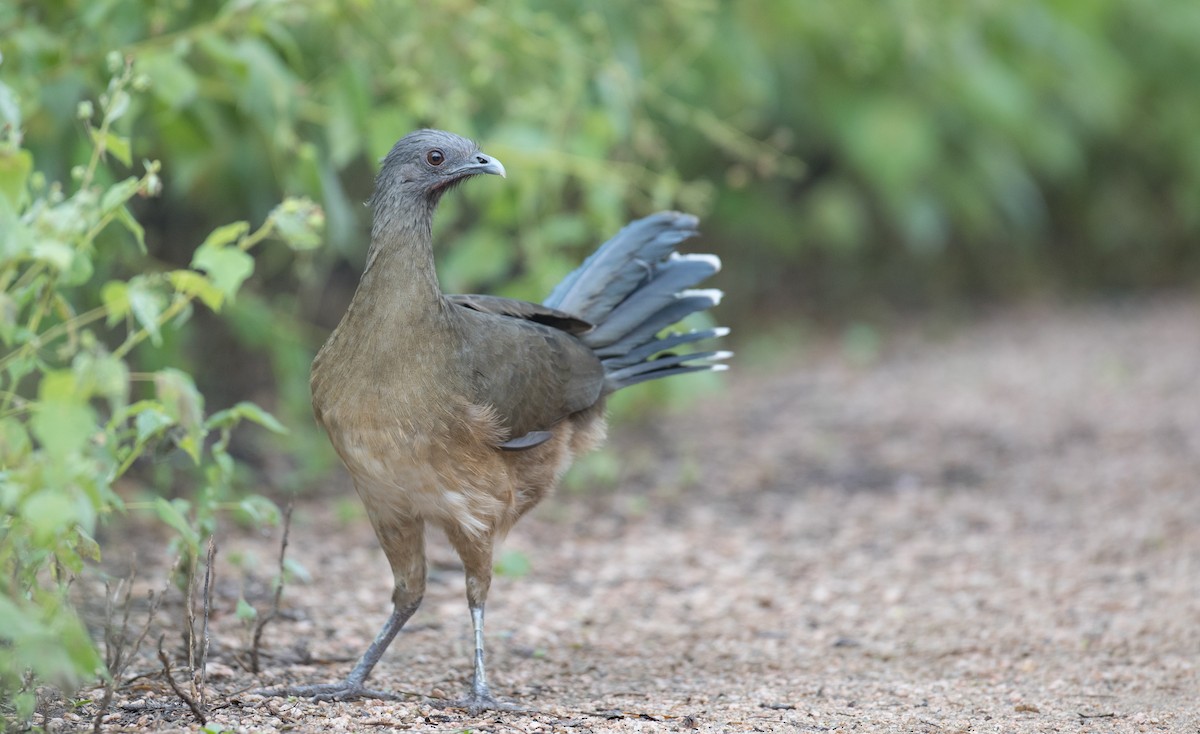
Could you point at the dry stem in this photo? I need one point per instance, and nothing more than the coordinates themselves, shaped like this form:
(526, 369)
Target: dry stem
(274, 610)
(197, 710)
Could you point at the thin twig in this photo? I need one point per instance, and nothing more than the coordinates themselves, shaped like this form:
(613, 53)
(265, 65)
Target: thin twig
(189, 632)
(117, 658)
(183, 696)
(274, 610)
(102, 709)
(202, 674)
(114, 642)
(155, 603)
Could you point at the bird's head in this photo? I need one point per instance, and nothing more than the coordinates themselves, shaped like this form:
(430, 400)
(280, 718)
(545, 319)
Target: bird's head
(426, 163)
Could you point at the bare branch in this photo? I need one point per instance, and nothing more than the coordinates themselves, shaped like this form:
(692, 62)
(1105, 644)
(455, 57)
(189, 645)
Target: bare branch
(274, 611)
(197, 711)
(117, 654)
(202, 674)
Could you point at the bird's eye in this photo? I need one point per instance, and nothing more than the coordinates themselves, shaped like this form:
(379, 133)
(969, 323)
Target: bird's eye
(435, 157)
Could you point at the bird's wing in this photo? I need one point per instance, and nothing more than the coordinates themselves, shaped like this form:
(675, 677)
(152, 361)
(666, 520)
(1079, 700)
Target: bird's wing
(526, 365)
(535, 312)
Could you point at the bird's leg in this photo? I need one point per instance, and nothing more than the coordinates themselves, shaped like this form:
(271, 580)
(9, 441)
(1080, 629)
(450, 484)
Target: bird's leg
(404, 544)
(476, 554)
(479, 686)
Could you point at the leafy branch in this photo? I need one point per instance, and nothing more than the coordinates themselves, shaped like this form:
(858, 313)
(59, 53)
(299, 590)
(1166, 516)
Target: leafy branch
(75, 416)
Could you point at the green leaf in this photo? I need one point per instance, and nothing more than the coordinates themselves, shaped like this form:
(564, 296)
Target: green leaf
(119, 193)
(115, 144)
(74, 637)
(62, 420)
(151, 422)
(245, 610)
(191, 283)
(14, 442)
(15, 167)
(294, 569)
(118, 106)
(18, 239)
(185, 405)
(9, 324)
(300, 223)
(172, 513)
(24, 704)
(55, 253)
(134, 227)
(255, 414)
(60, 386)
(103, 374)
(219, 474)
(87, 546)
(10, 111)
(146, 303)
(261, 510)
(79, 270)
(63, 428)
(228, 267)
(115, 297)
(15, 622)
(47, 513)
(45, 636)
(224, 235)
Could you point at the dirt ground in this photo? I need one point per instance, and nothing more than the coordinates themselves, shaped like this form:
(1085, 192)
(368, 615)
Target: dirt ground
(993, 529)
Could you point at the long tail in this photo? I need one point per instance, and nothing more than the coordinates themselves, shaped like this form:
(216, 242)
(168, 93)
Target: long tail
(635, 286)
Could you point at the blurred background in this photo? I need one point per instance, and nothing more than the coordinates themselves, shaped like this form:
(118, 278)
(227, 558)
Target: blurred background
(854, 162)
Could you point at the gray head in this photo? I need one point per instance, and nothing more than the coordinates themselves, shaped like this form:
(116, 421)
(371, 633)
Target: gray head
(426, 163)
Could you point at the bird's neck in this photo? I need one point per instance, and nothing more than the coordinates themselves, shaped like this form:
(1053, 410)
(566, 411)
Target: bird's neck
(397, 328)
(400, 277)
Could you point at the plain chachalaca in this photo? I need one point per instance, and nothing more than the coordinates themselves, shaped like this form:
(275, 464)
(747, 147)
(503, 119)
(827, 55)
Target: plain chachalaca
(464, 411)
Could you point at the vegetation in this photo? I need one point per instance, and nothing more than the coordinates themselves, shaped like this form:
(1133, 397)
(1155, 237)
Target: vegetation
(853, 154)
(75, 416)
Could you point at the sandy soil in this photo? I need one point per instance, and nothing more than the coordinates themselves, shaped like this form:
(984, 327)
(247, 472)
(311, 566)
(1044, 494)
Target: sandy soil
(994, 530)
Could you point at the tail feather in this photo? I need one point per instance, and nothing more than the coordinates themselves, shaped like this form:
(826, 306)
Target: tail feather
(655, 346)
(655, 374)
(685, 304)
(703, 360)
(635, 286)
(620, 265)
(671, 277)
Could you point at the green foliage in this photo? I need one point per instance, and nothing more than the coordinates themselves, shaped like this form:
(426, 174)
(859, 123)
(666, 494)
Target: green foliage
(840, 150)
(909, 151)
(249, 100)
(74, 416)
(966, 148)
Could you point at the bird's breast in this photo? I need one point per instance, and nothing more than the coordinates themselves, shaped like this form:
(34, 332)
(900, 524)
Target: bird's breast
(441, 464)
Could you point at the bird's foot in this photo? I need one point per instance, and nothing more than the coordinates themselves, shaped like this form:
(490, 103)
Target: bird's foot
(344, 691)
(480, 700)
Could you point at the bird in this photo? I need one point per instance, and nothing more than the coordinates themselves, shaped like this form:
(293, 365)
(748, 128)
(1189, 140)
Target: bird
(463, 411)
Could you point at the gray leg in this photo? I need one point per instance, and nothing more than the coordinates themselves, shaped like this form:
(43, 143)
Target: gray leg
(479, 686)
(403, 542)
(476, 555)
(353, 687)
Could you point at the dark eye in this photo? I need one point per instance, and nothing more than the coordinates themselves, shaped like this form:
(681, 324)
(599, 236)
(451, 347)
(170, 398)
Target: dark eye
(435, 157)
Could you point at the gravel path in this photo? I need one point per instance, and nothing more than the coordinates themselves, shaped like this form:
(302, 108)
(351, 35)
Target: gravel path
(990, 531)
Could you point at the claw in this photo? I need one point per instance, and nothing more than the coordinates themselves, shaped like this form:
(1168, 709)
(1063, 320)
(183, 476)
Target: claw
(476, 703)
